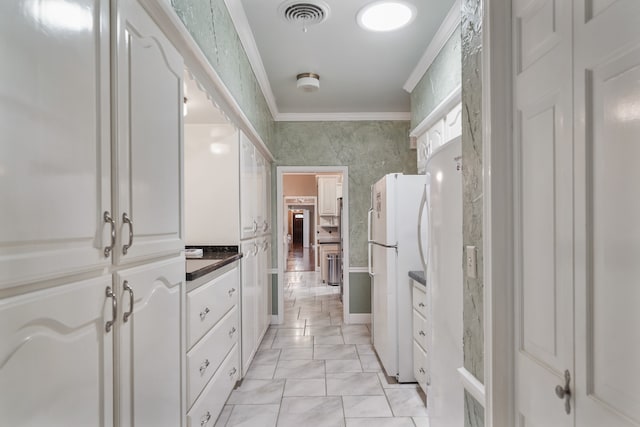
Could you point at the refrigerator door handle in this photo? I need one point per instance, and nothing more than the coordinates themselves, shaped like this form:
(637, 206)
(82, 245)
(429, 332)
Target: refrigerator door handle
(369, 243)
(421, 249)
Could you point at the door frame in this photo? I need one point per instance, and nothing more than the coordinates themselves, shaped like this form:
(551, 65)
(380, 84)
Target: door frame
(282, 170)
(498, 213)
(287, 203)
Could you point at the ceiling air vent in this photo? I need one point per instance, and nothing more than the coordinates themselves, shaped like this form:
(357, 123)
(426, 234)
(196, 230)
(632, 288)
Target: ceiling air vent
(304, 14)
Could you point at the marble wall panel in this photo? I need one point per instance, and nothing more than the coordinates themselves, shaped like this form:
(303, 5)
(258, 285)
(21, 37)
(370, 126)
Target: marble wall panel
(473, 305)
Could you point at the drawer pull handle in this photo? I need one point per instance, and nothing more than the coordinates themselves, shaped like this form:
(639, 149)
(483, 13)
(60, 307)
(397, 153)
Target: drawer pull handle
(421, 305)
(108, 219)
(128, 288)
(421, 333)
(205, 419)
(204, 313)
(127, 220)
(232, 331)
(204, 366)
(231, 291)
(114, 309)
(232, 372)
(422, 371)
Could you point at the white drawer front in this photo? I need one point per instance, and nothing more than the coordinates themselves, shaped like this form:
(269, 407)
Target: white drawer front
(208, 303)
(205, 357)
(420, 329)
(420, 367)
(420, 299)
(208, 406)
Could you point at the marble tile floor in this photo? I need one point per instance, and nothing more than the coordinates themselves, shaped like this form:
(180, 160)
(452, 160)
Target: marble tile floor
(315, 371)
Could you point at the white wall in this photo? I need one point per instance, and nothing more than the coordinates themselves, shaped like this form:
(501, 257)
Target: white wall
(211, 182)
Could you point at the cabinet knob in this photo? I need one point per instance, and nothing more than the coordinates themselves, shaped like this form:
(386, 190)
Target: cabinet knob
(205, 419)
(204, 313)
(204, 366)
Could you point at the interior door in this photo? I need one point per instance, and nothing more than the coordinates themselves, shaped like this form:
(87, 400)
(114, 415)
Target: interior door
(150, 350)
(149, 148)
(607, 117)
(543, 162)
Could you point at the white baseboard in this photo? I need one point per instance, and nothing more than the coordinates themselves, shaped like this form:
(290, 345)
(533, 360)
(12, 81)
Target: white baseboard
(472, 385)
(356, 318)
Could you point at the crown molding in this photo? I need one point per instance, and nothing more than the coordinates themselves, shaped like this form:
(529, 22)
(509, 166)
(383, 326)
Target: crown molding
(448, 26)
(241, 23)
(341, 117)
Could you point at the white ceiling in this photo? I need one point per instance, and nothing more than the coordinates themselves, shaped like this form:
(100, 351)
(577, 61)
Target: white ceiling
(362, 73)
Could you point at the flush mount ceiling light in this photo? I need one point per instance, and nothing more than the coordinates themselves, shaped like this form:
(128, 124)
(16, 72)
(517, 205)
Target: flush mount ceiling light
(308, 82)
(387, 15)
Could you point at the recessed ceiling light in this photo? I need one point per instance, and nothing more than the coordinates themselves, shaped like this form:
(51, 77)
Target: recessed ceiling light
(387, 15)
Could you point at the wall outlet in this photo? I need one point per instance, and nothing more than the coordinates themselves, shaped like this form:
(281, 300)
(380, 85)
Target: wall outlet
(471, 262)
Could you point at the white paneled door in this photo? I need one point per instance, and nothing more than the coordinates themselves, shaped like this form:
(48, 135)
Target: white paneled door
(577, 98)
(607, 123)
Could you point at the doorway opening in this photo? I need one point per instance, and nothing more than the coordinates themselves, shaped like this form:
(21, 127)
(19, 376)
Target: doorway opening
(312, 227)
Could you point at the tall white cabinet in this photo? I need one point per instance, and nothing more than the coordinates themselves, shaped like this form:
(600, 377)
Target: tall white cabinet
(255, 225)
(91, 274)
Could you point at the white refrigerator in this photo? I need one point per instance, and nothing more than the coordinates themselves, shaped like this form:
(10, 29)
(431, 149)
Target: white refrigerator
(443, 258)
(393, 252)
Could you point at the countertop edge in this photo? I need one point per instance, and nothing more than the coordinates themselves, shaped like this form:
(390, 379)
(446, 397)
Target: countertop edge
(215, 265)
(419, 277)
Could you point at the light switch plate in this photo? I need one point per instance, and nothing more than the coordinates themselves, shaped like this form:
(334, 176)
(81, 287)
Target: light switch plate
(471, 262)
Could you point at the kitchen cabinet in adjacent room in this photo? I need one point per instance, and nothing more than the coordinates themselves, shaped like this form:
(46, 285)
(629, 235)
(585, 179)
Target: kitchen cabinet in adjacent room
(327, 195)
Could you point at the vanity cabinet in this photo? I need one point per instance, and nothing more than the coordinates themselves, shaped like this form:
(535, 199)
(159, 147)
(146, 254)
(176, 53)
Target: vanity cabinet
(421, 335)
(213, 345)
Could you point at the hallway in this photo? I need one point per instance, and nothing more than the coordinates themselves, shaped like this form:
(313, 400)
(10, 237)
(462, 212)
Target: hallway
(300, 258)
(315, 371)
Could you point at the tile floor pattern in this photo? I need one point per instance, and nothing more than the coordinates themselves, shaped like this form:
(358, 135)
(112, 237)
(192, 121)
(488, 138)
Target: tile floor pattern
(315, 371)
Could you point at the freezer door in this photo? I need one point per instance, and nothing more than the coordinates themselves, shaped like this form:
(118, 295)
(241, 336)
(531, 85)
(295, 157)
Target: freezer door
(383, 214)
(384, 306)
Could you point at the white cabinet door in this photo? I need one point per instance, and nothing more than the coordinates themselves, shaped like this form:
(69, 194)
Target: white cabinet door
(248, 224)
(259, 192)
(327, 203)
(150, 350)
(249, 303)
(56, 356)
(149, 133)
(267, 192)
(435, 136)
(55, 150)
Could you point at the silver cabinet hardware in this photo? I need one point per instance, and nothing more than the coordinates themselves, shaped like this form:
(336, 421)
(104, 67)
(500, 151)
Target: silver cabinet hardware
(255, 226)
(231, 291)
(204, 313)
(127, 220)
(114, 309)
(232, 331)
(422, 371)
(204, 366)
(108, 219)
(232, 372)
(565, 392)
(205, 419)
(128, 288)
(421, 333)
(421, 305)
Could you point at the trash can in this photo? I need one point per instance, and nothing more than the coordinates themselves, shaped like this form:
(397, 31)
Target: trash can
(333, 267)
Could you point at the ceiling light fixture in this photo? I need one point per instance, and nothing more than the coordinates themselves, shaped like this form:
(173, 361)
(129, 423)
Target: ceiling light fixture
(308, 82)
(386, 15)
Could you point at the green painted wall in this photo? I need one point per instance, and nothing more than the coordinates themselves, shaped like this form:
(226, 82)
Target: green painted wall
(442, 77)
(370, 149)
(359, 293)
(209, 23)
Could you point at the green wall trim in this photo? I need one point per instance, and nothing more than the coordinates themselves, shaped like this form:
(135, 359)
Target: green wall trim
(359, 293)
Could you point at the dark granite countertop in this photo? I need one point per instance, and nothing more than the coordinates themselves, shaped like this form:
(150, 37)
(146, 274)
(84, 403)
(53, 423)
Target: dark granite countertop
(213, 258)
(419, 277)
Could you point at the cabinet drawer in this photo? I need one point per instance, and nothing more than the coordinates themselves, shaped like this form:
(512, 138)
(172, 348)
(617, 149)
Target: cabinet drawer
(208, 303)
(420, 329)
(205, 411)
(420, 299)
(205, 357)
(420, 367)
